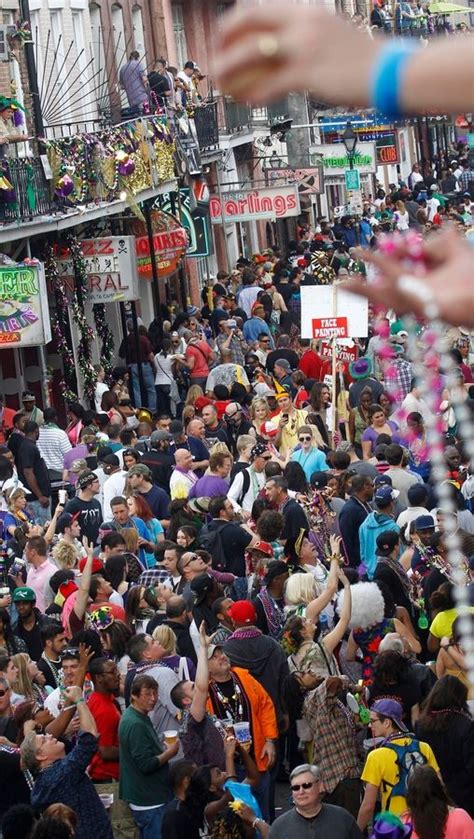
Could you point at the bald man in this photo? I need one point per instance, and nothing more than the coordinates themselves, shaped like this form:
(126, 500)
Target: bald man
(183, 477)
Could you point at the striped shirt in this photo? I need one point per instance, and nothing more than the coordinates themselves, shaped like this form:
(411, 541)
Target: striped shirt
(53, 443)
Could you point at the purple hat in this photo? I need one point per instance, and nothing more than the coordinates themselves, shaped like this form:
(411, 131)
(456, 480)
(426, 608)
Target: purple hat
(392, 709)
(361, 368)
(389, 826)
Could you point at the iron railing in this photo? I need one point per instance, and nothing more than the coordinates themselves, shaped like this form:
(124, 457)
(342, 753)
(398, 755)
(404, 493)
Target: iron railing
(207, 129)
(31, 194)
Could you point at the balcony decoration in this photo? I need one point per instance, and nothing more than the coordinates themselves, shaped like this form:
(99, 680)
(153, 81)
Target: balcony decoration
(106, 336)
(123, 158)
(86, 334)
(18, 34)
(59, 321)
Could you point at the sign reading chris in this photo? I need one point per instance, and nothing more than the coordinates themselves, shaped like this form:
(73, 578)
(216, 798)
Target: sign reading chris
(251, 205)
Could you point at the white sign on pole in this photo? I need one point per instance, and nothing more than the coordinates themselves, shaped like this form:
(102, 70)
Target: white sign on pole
(24, 312)
(111, 266)
(318, 302)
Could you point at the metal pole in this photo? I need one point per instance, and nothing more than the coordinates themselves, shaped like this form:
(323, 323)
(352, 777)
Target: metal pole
(219, 192)
(176, 211)
(154, 270)
(32, 75)
(41, 353)
(136, 338)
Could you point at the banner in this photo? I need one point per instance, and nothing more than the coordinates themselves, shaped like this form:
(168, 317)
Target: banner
(24, 313)
(346, 350)
(250, 205)
(111, 267)
(332, 302)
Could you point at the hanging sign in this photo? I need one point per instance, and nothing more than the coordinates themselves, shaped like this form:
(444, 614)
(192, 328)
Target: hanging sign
(195, 220)
(24, 313)
(111, 268)
(329, 302)
(335, 159)
(346, 350)
(169, 244)
(329, 327)
(352, 179)
(250, 205)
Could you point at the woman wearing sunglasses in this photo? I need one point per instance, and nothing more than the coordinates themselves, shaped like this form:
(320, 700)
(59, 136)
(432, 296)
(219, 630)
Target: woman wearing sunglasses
(310, 458)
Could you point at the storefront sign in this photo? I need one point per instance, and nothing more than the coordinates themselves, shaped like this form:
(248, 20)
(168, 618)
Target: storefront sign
(24, 313)
(169, 244)
(251, 205)
(329, 327)
(386, 147)
(111, 267)
(195, 222)
(335, 159)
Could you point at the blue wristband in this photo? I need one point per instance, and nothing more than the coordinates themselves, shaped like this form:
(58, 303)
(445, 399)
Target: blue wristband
(387, 78)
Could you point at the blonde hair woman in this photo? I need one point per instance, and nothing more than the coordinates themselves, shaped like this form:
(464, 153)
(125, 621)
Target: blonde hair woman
(182, 666)
(259, 412)
(17, 511)
(401, 216)
(30, 681)
(65, 555)
(193, 393)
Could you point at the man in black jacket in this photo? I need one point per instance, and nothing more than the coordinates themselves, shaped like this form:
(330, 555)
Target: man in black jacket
(353, 513)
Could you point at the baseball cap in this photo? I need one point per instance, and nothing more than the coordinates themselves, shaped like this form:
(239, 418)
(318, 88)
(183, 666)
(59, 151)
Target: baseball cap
(385, 495)
(24, 594)
(212, 648)
(390, 708)
(159, 435)
(232, 408)
(199, 505)
(28, 396)
(263, 547)
(382, 480)
(243, 611)
(86, 478)
(269, 428)
(66, 520)
(275, 568)
(425, 523)
(201, 402)
(141, 470)
(386, 542)
(97, 565)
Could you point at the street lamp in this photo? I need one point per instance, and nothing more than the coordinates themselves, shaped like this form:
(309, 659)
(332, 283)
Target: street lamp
(349, 138)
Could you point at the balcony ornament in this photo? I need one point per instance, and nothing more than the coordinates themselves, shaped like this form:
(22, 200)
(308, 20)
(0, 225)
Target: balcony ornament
(126, 166)
(65, 186)
(19, 35)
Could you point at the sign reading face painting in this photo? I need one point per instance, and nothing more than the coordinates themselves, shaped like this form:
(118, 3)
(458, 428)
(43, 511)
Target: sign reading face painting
(329, 327)
(24, 314)
(251, 205)
(111, 268)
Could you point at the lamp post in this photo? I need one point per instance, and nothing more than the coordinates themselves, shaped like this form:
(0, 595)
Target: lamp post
(349, 138)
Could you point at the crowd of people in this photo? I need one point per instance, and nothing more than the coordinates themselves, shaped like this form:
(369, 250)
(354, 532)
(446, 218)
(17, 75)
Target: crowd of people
(243, 584)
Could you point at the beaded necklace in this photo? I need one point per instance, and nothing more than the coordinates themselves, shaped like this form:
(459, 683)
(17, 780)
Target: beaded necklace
(232, 707)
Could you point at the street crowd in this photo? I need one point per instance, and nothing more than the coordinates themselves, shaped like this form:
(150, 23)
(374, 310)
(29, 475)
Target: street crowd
(225, 577)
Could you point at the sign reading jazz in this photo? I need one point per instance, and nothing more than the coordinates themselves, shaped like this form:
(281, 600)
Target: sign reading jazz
(24, 314)
(111, 268)
(251, 205)
(329, 327)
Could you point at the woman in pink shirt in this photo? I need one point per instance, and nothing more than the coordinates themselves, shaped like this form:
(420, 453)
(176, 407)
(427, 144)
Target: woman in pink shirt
(430, 810)
(198, 357)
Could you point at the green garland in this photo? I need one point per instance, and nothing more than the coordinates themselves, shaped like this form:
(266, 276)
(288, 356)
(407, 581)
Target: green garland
(86, 334)
(59, 323)
(106, 336)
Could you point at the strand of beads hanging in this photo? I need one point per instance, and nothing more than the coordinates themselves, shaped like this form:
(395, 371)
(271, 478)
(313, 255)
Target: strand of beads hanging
(55, 282)
(106, 336)
(86, 334)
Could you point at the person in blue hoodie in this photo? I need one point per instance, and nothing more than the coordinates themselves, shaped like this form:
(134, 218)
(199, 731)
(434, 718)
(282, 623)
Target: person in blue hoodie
(377, 522)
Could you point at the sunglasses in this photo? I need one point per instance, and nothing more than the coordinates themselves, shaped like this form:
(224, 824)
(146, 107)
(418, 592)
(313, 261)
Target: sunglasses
(193, 559)
(306, 785)
(71, 652)
(3, 692)
(305, 439)
(265, 341)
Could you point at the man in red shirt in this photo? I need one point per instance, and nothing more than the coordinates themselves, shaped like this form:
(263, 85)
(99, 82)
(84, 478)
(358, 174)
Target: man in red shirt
(104, 766)
(311, 364)
(6, 419)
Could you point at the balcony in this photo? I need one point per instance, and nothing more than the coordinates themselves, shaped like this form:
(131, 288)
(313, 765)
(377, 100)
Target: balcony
(91, 175)
(30, 196)
(207, 129)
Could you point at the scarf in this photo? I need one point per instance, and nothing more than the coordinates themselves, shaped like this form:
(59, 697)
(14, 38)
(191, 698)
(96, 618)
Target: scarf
(274, 615)
(397, 569)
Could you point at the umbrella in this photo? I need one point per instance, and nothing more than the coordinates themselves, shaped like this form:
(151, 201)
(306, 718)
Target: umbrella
(448, 9)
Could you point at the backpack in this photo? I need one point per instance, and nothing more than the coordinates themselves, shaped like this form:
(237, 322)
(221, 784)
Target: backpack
(211, 541)
(245, 486)
(408, 757)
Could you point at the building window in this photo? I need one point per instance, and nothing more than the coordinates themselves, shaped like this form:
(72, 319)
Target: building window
(138, 34)
(180, 35)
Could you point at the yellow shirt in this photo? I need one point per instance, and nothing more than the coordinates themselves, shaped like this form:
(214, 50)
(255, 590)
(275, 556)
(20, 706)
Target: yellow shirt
(289, 432)
(442, 624)
(381, 765)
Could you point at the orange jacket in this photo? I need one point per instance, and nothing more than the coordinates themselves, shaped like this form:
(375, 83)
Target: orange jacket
(263, 722)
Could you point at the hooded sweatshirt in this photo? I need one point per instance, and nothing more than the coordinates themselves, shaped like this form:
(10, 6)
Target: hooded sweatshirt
(374, 524)
(265, 660)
